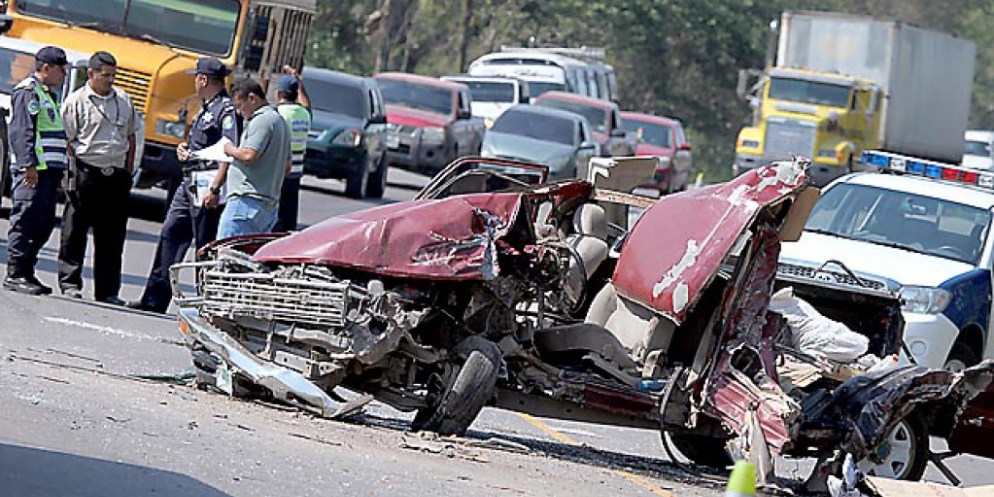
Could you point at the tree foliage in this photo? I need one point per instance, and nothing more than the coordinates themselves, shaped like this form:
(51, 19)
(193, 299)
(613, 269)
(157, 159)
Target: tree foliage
(677, 58)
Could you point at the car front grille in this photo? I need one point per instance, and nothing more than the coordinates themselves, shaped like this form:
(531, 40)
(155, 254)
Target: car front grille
(788, 137)
(265, 296)
(135, 84)
(797, 271)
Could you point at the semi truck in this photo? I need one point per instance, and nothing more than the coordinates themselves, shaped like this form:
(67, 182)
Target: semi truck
(843, 84)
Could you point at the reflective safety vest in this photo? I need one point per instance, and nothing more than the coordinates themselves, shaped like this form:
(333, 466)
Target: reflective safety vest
(50, 131)
(298, 119)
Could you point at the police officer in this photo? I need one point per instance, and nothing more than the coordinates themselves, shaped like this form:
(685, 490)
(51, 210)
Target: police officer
(298, 119)
(37, 139)
(193, 217)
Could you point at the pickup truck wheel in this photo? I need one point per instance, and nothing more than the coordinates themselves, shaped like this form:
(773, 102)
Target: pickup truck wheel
(451, 411)
(355, 183)
(377, 183)
(960, 358)
(903, 454)
(700, 449)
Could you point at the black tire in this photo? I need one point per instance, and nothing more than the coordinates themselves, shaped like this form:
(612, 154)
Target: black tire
(701, 449)
(961, 357)
(355, 183)
(377, 183)
(914, 430)
(453, 411)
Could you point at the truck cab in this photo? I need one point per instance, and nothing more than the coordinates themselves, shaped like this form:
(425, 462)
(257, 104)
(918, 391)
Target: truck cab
(828, 117)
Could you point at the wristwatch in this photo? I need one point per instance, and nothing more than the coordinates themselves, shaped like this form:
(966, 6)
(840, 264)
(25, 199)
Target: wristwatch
(216, 190)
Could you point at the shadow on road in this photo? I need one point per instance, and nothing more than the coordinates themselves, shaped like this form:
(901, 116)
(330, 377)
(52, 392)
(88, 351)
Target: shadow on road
(29, 472)
(583, 454)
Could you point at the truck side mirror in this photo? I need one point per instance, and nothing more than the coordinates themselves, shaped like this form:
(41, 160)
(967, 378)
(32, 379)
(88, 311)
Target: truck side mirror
(684, 146)
(618, 133)
(378, 119)
(463, 114)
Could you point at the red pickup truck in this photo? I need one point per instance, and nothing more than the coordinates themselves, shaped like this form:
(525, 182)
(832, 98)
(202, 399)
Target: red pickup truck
(430, 122)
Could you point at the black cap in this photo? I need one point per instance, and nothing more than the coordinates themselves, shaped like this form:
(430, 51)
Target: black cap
(52, 55)
(209, 66)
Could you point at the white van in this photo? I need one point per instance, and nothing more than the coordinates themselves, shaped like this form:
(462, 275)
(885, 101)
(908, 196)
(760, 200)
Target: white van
(978, 152)
(492, 95)
(548, 69)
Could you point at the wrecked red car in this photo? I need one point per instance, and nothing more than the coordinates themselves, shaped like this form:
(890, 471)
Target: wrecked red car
(534, 297)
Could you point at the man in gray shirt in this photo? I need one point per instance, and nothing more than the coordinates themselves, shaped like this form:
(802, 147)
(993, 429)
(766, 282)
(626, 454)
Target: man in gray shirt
(261, 160)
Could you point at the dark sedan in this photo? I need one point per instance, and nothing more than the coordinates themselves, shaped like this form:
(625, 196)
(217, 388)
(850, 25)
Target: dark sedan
(347, 138)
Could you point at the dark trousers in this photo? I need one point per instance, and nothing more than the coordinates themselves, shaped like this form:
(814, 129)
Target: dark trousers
(184, 224)
(32, 220)
(99, 202)
(286, 218)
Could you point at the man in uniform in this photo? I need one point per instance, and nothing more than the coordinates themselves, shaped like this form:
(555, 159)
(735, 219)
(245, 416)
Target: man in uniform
(187, 221)
(37, 139)
(101, 123)
(298, 118)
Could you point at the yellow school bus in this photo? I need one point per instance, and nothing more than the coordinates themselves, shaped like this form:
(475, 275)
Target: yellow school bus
(157, 41)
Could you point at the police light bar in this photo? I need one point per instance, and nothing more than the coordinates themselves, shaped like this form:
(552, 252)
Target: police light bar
(901, 164)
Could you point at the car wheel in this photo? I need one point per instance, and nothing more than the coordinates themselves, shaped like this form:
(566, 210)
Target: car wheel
(960, 358)
(701, 449)
(903, 454)
(355, 183)
(377, 182)
(454, 404)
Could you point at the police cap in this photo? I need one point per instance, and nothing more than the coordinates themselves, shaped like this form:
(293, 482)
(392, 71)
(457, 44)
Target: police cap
(52, 55)
(209, 66)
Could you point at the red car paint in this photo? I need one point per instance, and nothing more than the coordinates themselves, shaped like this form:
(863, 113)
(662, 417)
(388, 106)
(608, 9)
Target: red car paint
(669, 281)
(445, 239)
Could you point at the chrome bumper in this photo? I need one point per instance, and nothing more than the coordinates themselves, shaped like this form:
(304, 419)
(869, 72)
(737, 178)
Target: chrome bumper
(285, 384)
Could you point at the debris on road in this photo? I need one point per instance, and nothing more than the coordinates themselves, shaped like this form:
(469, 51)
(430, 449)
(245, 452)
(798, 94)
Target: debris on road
(450, 447)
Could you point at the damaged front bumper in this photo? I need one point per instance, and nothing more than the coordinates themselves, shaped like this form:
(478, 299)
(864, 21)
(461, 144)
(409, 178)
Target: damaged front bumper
(285, 384)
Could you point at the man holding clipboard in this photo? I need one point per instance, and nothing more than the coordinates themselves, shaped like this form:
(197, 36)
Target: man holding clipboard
(196, 207)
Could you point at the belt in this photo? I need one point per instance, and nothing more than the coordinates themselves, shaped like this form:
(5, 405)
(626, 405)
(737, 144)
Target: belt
(106, 171)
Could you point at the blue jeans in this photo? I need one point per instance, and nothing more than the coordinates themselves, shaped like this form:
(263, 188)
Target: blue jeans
(246, 216)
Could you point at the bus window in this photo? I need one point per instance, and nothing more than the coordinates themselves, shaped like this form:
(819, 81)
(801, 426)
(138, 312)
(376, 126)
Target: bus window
(581, 79)
(602, 83)
(595, 89)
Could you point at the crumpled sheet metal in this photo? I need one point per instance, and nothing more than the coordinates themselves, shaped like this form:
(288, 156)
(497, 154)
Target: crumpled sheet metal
(452, 238)
(286, 385)
(698, 228)
(744, 377)
(872, 403)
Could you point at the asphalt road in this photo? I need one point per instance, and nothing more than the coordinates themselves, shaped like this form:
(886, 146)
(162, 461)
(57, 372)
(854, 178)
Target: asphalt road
(94, 404)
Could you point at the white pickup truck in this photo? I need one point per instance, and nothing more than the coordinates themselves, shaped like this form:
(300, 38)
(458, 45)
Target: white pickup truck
(924, 233)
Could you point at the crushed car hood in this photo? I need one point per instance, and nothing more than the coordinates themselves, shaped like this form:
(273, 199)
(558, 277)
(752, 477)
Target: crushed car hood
(441, 239)
(701, 226)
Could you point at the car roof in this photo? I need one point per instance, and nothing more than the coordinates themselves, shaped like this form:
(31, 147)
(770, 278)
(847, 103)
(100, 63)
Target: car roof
(469, 77)
(949, 191)
(31, 47)
(577, 99)
(649, 118)
(539, 57)
(342, 78)
(546, 111)
(421, 80)
(979, 135)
